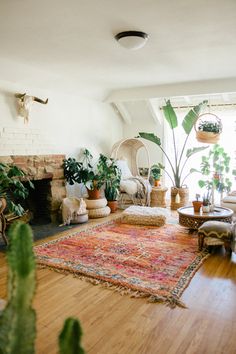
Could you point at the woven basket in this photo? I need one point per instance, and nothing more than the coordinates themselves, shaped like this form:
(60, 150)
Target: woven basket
(205, 136)
(183, 196)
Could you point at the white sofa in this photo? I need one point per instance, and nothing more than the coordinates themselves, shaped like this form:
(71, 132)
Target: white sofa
(230, 201)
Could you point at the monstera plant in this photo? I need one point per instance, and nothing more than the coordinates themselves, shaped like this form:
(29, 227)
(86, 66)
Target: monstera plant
(179, 194)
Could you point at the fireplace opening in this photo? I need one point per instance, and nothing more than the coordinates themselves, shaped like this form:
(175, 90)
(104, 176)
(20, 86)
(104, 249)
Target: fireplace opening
(39, 202)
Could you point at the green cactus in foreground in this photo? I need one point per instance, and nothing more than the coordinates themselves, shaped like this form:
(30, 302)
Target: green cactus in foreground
(69, 339)
(17, 321)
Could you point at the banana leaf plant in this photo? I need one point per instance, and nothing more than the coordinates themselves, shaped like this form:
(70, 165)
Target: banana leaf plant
(177, 176)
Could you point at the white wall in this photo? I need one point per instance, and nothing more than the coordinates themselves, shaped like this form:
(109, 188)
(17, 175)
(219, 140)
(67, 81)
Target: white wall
(65, 125)
(142, 121)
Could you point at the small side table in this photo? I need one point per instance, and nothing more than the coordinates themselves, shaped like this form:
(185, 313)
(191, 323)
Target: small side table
(158, 195)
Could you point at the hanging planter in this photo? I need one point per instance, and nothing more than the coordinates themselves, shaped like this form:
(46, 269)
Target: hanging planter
(208, 128)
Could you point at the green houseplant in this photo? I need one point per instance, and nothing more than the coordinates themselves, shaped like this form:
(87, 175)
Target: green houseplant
(112, 175)
(213, 127)
(85, 172)
(155, 173)
(216, 166)
(179, 195)
(208, 128)
(12, 187)
(18, 319)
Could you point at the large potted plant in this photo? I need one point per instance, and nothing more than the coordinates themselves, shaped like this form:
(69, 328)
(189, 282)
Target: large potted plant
(112, 175)
(179, 194)
(85, 172)
(12, 188)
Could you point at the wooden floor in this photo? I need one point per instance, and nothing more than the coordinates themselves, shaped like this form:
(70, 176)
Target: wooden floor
(115, 324)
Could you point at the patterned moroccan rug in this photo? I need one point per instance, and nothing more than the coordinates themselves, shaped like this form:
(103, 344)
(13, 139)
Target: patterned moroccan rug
(144, 261)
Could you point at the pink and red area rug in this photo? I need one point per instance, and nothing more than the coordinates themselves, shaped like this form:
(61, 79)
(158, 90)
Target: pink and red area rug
(144, 261)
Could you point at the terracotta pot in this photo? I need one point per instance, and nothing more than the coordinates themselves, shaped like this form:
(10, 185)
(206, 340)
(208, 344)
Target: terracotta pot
(157, 183)
(196, 206)
(113, 205)
(94, 193)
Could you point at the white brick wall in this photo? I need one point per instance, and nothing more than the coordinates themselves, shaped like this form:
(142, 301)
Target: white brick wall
(24, 141)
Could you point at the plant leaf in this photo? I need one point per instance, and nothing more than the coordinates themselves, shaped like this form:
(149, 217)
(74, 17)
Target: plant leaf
(194, 150)
(151, 137)
(194, 170)
(170, 115)
(201, 183)
(191, 117)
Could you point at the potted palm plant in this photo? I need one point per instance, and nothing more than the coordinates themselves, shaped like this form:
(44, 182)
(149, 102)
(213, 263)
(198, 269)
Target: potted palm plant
(179, 193)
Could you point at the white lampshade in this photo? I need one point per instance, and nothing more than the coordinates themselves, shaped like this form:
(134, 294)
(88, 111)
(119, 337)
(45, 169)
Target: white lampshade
(132, 39)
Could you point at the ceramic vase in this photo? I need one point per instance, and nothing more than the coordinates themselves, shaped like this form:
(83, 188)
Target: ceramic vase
(206, 208)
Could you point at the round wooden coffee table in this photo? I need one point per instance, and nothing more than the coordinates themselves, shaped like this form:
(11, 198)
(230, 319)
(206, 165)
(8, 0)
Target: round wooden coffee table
(193, 220)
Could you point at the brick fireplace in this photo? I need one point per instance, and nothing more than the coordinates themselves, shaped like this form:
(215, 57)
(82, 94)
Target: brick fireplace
(44, 168)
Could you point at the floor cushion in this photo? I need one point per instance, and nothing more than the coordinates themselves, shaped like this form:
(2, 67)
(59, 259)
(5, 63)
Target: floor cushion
(141, 215)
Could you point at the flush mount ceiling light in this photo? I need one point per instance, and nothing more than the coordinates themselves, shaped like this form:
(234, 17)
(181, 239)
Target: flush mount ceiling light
(132, 39)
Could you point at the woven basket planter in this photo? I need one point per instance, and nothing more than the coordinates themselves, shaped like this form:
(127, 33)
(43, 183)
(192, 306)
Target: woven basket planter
(204, 136)
(183, 197)
(95, 203)
(99, 213)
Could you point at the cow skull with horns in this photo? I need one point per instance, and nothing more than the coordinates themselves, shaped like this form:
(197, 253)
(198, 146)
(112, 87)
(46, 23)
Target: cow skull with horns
(25, 102)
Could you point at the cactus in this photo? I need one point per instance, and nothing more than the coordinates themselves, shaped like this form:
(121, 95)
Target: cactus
(17, 321)
(70, 336)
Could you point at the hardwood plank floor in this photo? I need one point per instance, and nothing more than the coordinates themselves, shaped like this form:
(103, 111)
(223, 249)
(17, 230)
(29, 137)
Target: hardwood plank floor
(115, 324)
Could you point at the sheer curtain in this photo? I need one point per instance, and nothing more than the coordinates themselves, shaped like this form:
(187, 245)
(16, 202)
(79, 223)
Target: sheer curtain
(227, 141)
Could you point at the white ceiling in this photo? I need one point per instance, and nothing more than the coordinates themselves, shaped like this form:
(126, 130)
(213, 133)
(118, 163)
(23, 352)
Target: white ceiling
(70, 46)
